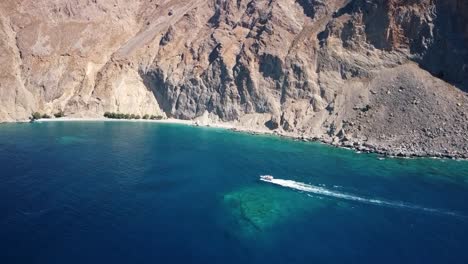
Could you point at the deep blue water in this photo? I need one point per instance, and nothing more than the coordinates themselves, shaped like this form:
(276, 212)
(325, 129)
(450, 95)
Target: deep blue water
(120, 192)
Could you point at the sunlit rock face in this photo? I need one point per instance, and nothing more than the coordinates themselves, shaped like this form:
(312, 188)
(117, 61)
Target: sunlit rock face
(304, 68)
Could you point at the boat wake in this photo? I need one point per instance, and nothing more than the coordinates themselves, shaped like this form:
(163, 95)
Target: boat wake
(331, 193)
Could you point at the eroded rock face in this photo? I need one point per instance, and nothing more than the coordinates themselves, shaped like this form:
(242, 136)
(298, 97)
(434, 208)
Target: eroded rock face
(305, 67)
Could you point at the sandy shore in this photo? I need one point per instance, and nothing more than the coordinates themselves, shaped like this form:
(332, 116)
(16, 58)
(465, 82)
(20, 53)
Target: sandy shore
(162, 121)
(72, 119)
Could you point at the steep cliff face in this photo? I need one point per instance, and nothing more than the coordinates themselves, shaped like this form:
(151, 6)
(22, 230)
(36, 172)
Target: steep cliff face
(336, 70)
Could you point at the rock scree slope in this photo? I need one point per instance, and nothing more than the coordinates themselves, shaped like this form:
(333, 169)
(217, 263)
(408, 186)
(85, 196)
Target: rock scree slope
(384, 75)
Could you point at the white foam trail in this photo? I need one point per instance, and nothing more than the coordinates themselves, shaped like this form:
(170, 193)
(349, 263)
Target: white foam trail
(326, 192)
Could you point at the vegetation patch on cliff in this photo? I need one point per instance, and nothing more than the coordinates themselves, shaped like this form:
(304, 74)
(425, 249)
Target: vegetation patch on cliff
(131, 116)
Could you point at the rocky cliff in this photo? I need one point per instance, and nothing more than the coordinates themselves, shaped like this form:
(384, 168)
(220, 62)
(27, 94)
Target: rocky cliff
(385, 75)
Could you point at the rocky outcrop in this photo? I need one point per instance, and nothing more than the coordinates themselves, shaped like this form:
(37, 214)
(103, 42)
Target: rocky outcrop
(331, 70)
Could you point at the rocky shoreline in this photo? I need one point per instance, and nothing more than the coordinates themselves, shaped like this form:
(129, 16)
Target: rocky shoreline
(363, 147)
(398, 153)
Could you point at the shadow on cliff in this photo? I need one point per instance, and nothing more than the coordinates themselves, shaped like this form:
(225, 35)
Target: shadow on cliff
(447, 57)
(440, 47)
(154, 81)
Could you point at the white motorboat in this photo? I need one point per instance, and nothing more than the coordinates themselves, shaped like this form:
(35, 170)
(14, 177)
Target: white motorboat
(268, 178)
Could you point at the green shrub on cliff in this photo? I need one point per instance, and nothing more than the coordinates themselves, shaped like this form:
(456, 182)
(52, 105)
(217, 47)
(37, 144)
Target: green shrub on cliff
(35, 116)
(129, 116)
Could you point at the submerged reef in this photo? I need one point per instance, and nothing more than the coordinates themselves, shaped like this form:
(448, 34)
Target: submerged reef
(258, 208)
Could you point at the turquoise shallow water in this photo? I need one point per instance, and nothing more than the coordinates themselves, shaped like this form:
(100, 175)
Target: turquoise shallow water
(97, 192)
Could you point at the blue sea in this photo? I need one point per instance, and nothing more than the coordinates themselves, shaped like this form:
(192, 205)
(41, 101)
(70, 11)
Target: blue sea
(129, 192)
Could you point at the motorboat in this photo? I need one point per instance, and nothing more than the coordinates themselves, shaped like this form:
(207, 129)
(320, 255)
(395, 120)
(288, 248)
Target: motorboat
(268, 178)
